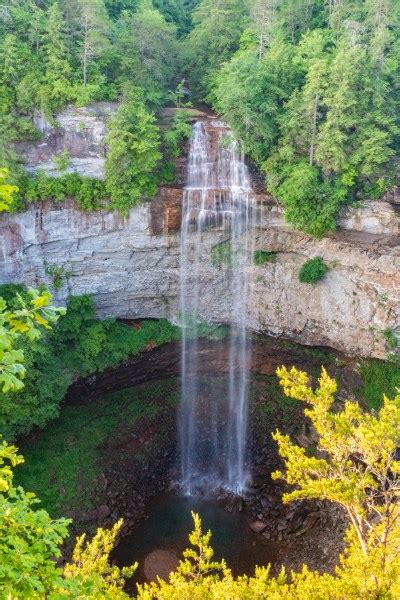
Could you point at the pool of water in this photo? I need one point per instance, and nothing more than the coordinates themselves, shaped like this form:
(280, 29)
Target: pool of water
(158, 542)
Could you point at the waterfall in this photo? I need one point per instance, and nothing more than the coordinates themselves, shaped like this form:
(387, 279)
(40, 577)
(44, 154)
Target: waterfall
(218, 199)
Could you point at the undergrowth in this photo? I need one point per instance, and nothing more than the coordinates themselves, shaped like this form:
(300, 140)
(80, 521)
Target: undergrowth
(79, 345)
(379, 378)
(63, 461)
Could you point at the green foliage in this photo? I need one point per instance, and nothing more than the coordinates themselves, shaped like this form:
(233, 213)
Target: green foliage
(261, 257)
(64, 460)
(173, 139)
(221, 254)
(378, 377)
(313, 105)
(313, 271)
(89, 194)
(31, 543)
(357, 468)
(179, 131)
(59, 274)
(61, 160)
(79, 345)
(24, 319)
(148, 53)
(214, 38)
(57, 52)
(391, 338)
(178, 95)
(10, 293)
(310, 203)
(6, 191)
(30, 538)
(91, 564)
(133, 155)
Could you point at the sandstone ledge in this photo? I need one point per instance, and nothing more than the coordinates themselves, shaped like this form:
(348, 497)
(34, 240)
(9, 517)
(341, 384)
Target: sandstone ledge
(131, 267)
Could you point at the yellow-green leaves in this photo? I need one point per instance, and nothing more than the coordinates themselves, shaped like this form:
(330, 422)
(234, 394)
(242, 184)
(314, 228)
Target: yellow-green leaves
(356, 467)
(90, 571)
(6, 191)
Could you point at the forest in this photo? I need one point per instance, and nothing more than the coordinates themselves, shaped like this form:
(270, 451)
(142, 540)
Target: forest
(301, 97)
(310, 87)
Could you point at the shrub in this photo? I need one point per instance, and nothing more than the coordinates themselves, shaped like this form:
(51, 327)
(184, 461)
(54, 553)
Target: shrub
(260, 257)
(62, 160)
(88, 193)
(179, 131)
(313, 270)
(390, 338)
(9, 291)
(379, 377)
(221, 254)
(58, 274)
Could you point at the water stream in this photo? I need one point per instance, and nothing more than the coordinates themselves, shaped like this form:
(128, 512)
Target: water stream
(218, 198)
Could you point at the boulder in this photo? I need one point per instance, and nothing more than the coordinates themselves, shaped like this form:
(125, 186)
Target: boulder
(160, 563)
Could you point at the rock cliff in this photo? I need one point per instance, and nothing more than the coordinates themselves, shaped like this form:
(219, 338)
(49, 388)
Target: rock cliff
(131, 265)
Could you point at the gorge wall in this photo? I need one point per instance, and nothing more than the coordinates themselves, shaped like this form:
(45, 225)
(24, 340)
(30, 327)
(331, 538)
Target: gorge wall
(131, 265)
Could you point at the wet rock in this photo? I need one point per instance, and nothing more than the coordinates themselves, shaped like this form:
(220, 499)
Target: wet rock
(309, 523)
(282, 525)
(160, 563)
(258, 526)
(103, 512)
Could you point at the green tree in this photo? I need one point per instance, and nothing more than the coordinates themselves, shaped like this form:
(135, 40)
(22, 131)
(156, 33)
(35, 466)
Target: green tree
(30, 538)
(30, 547)
(94, 30)
(148, 52)
(213, 40)
(356, 467)
(133, 153)
(264, 14)
(57, 89)
(251, 94)
(26, 319)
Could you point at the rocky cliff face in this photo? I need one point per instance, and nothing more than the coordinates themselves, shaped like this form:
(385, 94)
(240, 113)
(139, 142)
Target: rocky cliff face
(131, 265)
(80, 131)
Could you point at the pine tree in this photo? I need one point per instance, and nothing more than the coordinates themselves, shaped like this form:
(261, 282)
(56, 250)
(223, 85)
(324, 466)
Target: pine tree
(133, 153)
(56, 90)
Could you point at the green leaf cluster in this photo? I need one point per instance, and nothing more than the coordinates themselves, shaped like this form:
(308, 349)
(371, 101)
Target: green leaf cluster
(133, 153)
(261, 257)
(24, 319)
(80, 344)
(312, 90)
(88, 193)
(313, 270)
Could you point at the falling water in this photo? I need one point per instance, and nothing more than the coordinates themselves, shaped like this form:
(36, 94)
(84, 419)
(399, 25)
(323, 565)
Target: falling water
(218, 197)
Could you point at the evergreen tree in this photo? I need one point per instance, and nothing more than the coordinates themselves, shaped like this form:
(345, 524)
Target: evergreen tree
(56, 90)
(215, 37)
(148, 51)
(133, 153)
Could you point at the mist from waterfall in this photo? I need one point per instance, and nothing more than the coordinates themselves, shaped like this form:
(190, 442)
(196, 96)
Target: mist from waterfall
(218, 198)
